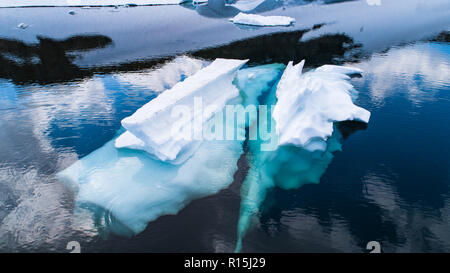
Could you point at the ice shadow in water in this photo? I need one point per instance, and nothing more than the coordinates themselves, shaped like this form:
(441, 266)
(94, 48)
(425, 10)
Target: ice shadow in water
(49, 61)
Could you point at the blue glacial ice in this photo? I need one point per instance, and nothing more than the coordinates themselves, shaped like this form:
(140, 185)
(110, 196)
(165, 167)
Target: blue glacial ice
(307, 107)
(137, 188)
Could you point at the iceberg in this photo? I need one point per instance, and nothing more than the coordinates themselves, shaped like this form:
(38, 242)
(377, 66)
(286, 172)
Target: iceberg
(150, 127)
(260, 20)
(308, 104)
(135, 188)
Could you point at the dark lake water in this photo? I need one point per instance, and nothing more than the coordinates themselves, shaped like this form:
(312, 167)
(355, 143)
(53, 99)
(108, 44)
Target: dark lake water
(67, 81)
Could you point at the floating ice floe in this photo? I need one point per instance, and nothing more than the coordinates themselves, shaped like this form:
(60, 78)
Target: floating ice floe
(22, 26)
(84, 3)
(136, 188)
(259, 20)
(150, 127)
(308, 104)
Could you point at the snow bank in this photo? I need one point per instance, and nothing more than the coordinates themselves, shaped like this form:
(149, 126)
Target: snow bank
(136, 188)
(308, 104)
(67, 3)
(259, 20)
(152, 123)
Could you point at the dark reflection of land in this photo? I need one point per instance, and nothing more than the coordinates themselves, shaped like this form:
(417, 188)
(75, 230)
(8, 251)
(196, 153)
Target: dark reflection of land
(52, 61)
(442, 37)
(284, 47)
(49, 61)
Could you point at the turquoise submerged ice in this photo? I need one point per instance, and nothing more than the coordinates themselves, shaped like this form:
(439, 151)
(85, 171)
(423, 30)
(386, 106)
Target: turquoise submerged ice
(137, 188)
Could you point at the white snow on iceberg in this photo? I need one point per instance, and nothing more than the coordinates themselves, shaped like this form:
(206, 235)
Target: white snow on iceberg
(150, 127)
(260, 20)
(308, 104)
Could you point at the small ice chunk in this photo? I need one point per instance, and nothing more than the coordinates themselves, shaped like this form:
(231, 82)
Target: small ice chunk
(339, 69)
(308, 104)
(259, 20)
(153, 122)
(22, 26)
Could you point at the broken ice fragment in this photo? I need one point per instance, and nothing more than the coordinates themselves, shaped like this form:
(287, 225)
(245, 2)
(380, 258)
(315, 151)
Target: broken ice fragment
(22, 26)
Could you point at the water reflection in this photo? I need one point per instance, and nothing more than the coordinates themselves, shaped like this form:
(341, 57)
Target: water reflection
(424, 69)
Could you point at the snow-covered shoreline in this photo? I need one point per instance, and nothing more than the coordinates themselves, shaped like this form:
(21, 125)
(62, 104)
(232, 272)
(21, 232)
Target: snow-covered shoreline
(88, 3)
